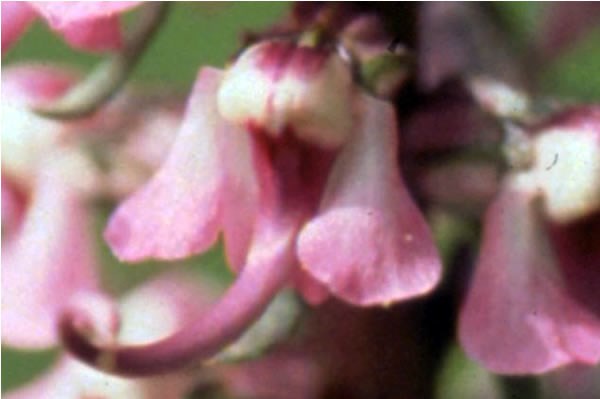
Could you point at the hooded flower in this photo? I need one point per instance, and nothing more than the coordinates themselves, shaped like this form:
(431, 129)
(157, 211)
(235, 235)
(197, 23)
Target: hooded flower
(92, 26)
(535, 287)
(297, 168)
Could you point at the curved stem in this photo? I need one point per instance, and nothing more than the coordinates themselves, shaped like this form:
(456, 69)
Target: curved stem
(100, 85)
(267, 270)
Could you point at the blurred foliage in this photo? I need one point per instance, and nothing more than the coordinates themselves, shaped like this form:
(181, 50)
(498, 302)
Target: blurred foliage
(576, 75)
(463, 378)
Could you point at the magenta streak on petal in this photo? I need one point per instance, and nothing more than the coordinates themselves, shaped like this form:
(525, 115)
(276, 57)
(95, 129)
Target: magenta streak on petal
(278, 57)
(518, 316)
(369, 244)
(298, 173)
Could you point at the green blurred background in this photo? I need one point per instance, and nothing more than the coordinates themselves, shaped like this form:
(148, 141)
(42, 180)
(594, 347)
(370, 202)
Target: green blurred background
(198, 34)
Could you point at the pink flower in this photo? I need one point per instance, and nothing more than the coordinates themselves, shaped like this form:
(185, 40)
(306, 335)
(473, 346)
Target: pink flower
(47, 260)
(148, 313)
(533, 305)
(86, 25)
(298, 169)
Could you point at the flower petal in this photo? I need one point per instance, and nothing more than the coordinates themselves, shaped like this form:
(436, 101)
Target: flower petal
(370, 244)
(241, 198)
(178, 212)
(46, 264)
(90, 25)
(518, 316)
(16, 17)
(102, 34)
(62, 13)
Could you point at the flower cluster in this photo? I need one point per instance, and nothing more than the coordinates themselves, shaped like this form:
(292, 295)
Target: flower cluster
(324, 162)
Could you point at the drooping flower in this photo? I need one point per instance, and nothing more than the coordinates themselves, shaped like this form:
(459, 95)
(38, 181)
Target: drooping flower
(535, 287)
(297, 168)
(87, 25)
(149, 312)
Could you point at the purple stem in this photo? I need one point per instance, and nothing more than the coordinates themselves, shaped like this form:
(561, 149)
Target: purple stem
(267, 270)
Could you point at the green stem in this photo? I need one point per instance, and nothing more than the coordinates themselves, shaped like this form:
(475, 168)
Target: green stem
(100, 85)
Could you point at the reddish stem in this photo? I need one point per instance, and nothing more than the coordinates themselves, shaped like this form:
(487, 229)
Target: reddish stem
(267, 270)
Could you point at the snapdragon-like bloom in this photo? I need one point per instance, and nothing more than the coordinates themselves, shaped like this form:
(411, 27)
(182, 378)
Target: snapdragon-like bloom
(297, 168)
(87, 25)
(533, 305)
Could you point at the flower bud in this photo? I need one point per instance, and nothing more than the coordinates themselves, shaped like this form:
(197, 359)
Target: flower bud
(277, 87)
(566, 165)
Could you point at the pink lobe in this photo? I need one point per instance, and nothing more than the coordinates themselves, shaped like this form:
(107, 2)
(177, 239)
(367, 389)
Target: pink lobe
(178, 212)
(46, 264)
(518, 316)
(16, 17)
(90, 25)
(370, 244)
